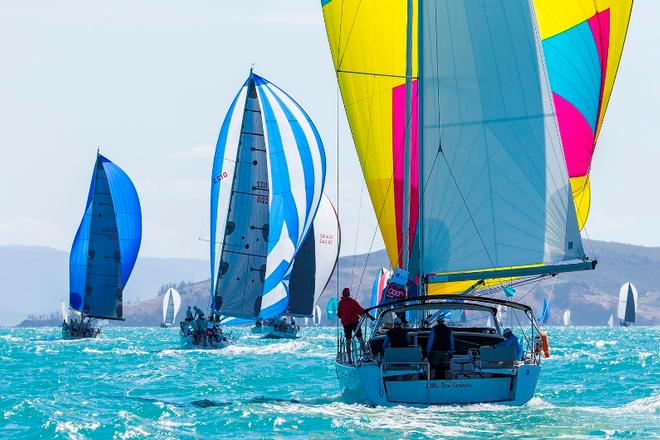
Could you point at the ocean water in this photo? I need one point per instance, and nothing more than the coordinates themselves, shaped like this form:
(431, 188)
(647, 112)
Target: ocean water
(136, 383)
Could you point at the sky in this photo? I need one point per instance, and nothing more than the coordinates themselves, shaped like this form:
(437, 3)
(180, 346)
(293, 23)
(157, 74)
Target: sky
(149, 83)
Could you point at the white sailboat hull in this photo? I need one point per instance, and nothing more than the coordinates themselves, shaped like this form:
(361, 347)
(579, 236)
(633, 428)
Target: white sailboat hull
(364, 383)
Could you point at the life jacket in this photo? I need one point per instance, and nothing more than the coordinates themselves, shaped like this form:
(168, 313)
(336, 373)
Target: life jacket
(398, 337)
(442, 337)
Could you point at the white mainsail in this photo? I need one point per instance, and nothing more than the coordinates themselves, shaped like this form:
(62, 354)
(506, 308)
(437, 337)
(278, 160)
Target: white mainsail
(627, 303)
(567, 317)
(171, 305)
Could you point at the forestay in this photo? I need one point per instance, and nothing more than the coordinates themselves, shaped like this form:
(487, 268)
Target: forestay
(267, 181)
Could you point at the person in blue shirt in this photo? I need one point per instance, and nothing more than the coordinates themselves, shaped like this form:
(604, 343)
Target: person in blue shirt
(511, 340)
(396, 337)
(441, 338)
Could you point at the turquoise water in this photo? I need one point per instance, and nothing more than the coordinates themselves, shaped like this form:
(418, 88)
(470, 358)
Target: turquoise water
(136, 383)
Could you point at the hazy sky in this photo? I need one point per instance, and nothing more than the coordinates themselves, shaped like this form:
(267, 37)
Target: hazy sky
(149, 83)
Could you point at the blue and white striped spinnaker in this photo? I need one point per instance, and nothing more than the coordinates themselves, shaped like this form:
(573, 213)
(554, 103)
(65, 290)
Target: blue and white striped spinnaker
(107, 243)
(266, 186)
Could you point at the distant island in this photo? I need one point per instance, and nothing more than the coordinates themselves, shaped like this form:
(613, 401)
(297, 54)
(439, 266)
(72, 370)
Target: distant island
(591, 296)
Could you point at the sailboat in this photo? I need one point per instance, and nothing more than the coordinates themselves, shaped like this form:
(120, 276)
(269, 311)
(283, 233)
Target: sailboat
(460, 141)
(312, 268)
(266, 187)
(331, 309)
(610, 322)
(544, 314)
(627, 304)
(104, 251)
(567, 318)
(171, 305)
(316, 318)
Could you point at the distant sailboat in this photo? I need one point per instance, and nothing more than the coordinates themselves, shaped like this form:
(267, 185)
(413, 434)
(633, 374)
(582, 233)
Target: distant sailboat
(317, 315)
(266, 187)
(544, 314)
(64, 311)
(567, 317)
(104, 250)
(171, 305)
(610, 322)
(331, 309)
(627, 304)
(312, 268)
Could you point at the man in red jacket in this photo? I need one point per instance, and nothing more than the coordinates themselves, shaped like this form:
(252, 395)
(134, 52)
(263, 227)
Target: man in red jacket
(349, 311)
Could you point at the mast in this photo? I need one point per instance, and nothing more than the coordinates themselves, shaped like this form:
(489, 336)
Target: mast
(405, 248)
(420, 155)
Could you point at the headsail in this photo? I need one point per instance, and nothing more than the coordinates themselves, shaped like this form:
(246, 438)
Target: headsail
(315, 261)
(627, 303)
(368, 45)
(106, 244)
(266, 185)
(583, 42)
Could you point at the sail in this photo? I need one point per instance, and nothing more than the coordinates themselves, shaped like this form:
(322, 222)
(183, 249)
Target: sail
(567, 317)
(168, 307)
(496, 192)
(627, 303)
(498, 195)
(266, 186)
(64, 312)
(368, 44)
(171, 305)
(315, 261)
(382, 277)
(544, 314)
(331, 309)
(317, 315)
(106, 244)
(583, 42)
(610, 322)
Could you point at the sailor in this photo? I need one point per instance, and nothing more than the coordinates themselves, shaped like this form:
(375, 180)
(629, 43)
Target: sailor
(189, 314)
(198, 312)
(511, 340)
(441, 338)
(200, 328)
(396, 337)
(349, 311)
(293, 322)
